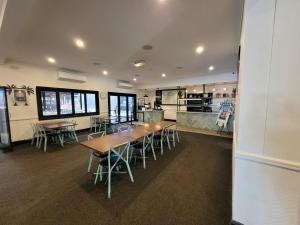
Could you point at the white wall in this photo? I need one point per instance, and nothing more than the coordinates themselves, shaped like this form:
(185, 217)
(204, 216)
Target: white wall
(21, 74)
(267, 157)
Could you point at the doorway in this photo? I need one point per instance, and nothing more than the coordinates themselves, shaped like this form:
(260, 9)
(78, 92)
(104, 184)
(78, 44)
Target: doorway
(5, 140)
(122, 104)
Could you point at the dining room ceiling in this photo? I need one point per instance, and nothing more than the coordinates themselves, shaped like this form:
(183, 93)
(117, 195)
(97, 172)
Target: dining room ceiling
(116, 33)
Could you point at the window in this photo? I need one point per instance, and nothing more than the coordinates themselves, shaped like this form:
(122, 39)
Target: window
(49, 103)
(79, 102)
(91, 103)
(54, 103)
(65, 100)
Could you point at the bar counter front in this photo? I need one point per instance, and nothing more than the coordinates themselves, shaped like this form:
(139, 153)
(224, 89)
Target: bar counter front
(201, 120)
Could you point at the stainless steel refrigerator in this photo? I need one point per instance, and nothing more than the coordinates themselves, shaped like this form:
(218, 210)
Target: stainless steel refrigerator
(5, 139)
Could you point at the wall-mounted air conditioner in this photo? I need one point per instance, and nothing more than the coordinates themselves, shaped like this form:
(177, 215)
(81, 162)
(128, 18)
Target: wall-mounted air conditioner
(124, 84)
(69, 76)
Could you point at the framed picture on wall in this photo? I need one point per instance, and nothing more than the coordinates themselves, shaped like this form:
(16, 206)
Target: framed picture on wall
(20, 95)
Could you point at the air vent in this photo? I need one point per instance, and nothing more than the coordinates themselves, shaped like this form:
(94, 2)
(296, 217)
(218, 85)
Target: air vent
(124, 84)
(71, 76)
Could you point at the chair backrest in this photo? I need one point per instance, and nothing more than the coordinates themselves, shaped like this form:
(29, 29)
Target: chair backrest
(123, 128)
(34, 128)
(97, 134)
(165, 131)
(40, 129)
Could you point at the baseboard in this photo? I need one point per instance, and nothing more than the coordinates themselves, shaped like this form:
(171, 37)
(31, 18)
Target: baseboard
(170, 120)
(280, 163)
(233, 222)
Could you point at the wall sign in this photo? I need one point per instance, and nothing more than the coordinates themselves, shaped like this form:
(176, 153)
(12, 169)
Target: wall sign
(19, 94)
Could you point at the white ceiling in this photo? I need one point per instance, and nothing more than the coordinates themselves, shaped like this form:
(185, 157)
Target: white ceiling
(115, 31)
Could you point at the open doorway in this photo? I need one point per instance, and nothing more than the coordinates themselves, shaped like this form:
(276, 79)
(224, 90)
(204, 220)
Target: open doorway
(4, 122)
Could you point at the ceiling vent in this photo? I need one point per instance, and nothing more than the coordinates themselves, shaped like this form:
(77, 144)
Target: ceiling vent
(72, 76)
(124, 84)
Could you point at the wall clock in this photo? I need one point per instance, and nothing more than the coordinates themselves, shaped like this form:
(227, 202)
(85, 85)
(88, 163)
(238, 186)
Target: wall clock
(102, 95)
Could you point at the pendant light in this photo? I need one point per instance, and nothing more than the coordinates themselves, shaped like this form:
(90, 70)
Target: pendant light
(145, 96)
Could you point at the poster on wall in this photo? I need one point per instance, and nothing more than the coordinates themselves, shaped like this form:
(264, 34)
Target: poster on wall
(19, 94)
(225, 111)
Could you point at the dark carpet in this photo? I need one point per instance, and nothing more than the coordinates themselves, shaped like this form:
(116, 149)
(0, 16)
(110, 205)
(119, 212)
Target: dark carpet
(190, 184)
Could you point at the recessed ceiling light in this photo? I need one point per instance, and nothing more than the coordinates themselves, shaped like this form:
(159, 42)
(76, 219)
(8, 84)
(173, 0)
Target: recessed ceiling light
(104, 72)
(211, 68)
(163, 75)
(51, 60)
(199, 49)
(139, 63)
(194, 90)
(80, 43)
(134, 79)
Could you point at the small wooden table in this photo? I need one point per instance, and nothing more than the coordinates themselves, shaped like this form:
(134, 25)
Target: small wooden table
(110, 143)
(58, 126)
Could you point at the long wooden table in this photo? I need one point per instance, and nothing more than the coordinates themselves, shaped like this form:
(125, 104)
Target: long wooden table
(105, 143)
(111, 144)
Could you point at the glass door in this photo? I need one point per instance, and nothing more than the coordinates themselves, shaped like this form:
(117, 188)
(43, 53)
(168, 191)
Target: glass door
(131, 108)
(114, 106)
(123, 108)
(122, 104)
(4, 121)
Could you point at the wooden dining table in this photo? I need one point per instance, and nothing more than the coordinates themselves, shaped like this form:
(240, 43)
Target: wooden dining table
(55, 125)
(58, 126)
(104, 144)
(112, 143)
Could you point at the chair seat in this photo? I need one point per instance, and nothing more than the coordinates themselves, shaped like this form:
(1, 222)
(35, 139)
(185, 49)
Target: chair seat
(97, 154)
(157, 136)
(138, 145)
(134, 143)
(113, 159)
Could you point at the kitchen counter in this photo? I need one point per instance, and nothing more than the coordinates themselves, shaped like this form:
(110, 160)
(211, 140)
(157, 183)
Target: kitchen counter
(201, 120)
(151, 115)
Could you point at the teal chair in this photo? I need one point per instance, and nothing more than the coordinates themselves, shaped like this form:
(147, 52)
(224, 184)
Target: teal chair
(35, 134)
(162, 138)
(92, 153)
(139, 149)
(117, 157)
(173, 134)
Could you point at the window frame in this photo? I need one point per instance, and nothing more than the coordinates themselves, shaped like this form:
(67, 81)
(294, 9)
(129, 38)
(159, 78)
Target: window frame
(39, 89)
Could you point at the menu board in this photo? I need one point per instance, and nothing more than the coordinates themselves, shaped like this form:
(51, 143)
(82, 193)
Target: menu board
(169, 97)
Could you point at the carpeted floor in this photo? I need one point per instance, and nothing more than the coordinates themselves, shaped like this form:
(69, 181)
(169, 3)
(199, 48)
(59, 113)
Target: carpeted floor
(189, 185)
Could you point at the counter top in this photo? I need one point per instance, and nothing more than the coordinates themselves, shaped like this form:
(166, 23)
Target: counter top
(151, 110)
(210, 113)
